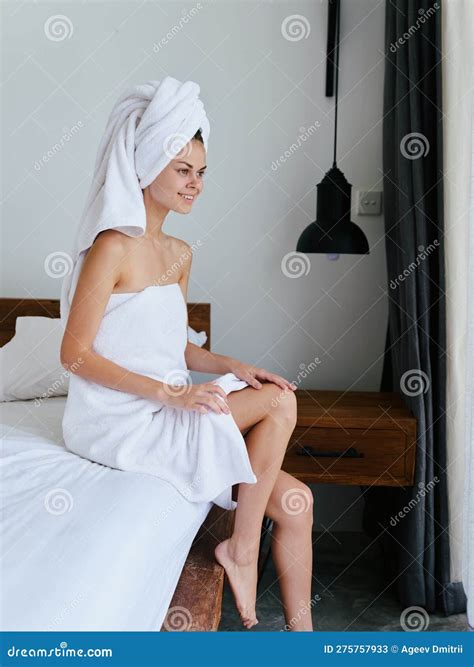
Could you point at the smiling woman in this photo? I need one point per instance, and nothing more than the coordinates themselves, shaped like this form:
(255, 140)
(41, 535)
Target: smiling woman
(131, 403)
(180, 182)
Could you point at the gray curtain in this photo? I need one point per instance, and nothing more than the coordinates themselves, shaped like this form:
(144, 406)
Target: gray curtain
(415, 546)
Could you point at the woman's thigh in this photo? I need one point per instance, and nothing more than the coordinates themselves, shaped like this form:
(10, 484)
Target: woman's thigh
(249, 406)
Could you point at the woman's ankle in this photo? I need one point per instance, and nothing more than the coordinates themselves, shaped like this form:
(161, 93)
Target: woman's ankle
(243, 551)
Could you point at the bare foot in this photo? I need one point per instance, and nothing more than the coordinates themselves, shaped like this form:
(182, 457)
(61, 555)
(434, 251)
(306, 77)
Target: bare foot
(242, 576)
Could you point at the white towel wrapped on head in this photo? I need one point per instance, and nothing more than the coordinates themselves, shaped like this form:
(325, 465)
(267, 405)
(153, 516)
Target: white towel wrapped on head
(147, 127)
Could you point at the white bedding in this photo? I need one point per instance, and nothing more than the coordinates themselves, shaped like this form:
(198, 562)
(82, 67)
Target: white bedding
(84, 546)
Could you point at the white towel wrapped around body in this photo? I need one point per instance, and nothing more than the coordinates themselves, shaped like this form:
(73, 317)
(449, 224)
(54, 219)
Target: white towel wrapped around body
(202, 455)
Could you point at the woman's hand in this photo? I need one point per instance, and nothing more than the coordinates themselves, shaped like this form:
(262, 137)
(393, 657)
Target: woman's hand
(253, 374)
(201, 397)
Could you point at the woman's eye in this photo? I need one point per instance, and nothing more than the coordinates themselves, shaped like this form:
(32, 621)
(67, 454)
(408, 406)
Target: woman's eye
(200, 173)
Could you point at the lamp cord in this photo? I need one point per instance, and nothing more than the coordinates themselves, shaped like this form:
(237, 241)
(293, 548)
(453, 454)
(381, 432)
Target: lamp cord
(338, 13)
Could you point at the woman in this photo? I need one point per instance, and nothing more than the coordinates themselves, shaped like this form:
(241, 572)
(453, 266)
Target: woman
(116, 279)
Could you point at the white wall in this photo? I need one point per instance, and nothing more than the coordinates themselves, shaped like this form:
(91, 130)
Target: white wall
(259, 90)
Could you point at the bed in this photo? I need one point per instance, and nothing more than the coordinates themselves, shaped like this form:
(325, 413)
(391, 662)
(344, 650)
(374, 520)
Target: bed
(89, 548)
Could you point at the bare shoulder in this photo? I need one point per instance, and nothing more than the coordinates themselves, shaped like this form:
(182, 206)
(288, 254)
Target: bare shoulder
(110, 241)
(105, 256)
(181, 250)
(179, 245)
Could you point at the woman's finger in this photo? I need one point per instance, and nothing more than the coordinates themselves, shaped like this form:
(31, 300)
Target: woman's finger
(253, 381)
(214, 404)
(271, 377)
(216, 389)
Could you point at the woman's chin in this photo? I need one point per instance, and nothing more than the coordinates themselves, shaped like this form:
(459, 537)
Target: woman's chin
(182, 208)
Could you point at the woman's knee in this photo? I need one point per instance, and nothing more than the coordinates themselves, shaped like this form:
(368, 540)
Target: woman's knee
(283, 406)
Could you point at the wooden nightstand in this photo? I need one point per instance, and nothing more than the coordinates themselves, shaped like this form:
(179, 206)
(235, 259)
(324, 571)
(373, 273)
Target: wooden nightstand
(357, 438)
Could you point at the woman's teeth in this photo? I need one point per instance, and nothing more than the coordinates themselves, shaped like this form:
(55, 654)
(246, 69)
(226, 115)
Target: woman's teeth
(187, 197)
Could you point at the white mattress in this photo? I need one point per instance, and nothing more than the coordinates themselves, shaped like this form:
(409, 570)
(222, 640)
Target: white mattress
(84, 546)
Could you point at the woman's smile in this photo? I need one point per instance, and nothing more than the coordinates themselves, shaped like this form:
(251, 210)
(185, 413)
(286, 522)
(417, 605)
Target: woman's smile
(187, 198)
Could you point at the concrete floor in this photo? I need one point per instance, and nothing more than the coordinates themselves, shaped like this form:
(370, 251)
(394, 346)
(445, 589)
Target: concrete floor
(351, 592)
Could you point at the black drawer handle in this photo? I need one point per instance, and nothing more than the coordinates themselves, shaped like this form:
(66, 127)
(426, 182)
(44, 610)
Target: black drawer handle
(350, 453)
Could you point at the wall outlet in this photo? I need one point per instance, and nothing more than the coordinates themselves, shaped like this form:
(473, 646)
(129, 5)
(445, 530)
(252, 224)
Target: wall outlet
(369, 202)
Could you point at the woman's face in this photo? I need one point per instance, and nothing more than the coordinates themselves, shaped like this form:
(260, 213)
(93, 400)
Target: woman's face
(184, 175)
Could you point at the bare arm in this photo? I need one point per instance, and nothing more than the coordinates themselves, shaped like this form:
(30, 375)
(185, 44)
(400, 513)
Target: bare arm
(204, 361)
(100, 272)
(198, 359)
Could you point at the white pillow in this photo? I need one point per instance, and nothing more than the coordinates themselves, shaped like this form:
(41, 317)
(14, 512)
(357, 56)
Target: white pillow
(29, 363)
(197, 338)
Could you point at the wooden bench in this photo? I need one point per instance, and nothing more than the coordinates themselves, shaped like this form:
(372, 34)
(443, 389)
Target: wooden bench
(197, 600)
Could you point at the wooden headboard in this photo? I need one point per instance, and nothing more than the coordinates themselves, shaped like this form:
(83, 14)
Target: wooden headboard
(199, 315)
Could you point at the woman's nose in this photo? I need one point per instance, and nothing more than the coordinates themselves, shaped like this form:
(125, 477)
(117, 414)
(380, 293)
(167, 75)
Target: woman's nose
(194, 182)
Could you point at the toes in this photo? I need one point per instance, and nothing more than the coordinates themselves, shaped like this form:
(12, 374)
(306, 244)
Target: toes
(249, 622)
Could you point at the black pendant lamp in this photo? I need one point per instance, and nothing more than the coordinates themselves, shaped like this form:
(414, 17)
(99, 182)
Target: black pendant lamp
(333, 233)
